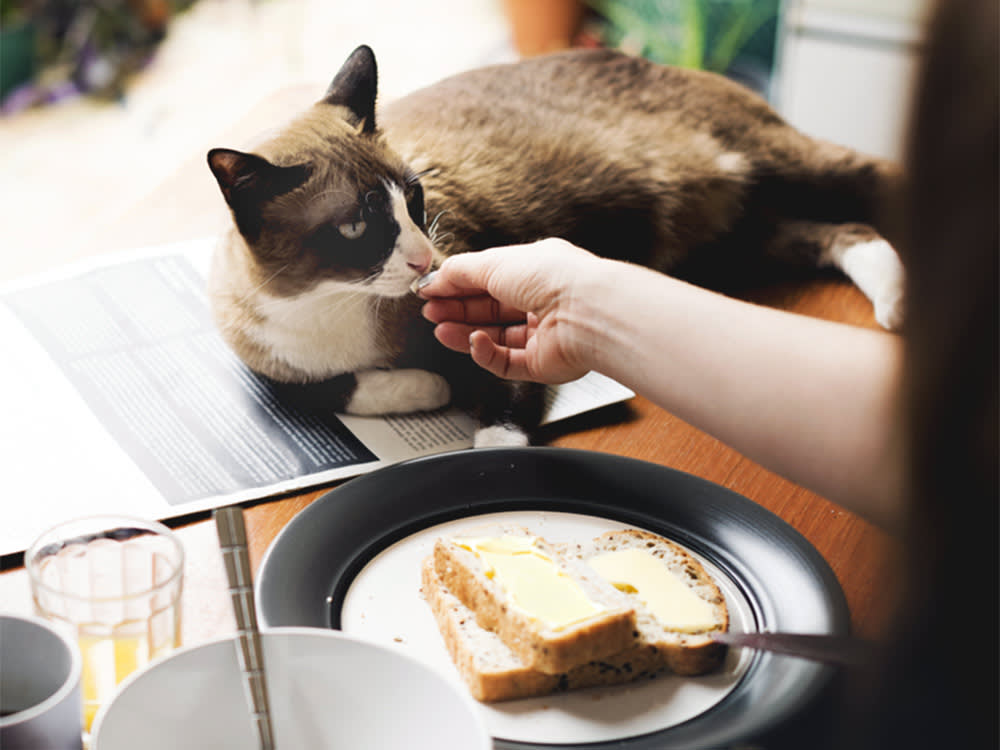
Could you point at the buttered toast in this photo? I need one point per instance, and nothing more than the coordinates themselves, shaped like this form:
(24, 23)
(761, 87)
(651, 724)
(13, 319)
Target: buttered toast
(684, 605)
(550, 610)
(492, 672)
(633, 559)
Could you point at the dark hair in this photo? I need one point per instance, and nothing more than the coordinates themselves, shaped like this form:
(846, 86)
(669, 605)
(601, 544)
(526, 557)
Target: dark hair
(939, 687)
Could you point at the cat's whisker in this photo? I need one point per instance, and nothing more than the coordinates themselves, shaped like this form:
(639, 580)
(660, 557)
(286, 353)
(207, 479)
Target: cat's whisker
(371, 278)
(417, 176)
(343, 297)
(278, 312)
(432, 229)
(261, 285)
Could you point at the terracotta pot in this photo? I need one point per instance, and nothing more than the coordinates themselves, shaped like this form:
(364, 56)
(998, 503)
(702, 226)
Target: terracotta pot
(540, 26)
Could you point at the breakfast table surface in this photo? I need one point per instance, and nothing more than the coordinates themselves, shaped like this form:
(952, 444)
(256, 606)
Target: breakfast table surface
(188, 205)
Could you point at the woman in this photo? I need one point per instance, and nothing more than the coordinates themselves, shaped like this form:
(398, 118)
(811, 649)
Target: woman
(900, 430)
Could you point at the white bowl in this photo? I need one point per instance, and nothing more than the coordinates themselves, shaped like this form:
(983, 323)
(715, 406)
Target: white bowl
(327, 690)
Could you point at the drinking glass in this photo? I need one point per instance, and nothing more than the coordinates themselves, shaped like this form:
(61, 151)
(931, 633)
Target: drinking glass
(113, 583)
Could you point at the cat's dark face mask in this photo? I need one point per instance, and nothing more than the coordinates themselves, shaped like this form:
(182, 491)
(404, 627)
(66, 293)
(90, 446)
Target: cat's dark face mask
(333, 202)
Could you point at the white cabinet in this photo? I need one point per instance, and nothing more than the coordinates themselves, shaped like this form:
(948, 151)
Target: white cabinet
(845, 70)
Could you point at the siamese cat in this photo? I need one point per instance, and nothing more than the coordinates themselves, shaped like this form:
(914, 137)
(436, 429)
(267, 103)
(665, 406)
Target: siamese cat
(337, 215)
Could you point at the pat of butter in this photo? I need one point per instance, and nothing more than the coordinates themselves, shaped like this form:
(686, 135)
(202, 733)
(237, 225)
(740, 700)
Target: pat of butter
(668, 598)
(533, 582)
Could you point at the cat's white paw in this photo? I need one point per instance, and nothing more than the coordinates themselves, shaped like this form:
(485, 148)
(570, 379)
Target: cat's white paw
(499, 436)
(430, 391)
(876, 269)
(398, 391)
(889, 312)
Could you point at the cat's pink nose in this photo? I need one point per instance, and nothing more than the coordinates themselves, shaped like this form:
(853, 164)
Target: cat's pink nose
(421, 265)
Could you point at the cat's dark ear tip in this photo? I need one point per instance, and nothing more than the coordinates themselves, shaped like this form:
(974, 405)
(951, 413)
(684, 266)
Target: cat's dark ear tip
(365, 51)
(214, 155)
(223, 162)
(355, 87)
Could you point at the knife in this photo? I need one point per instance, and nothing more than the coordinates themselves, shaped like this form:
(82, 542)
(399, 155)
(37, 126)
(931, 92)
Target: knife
(842, 650)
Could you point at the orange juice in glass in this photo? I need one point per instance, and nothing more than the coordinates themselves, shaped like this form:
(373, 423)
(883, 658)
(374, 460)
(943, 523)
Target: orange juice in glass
(115, 584)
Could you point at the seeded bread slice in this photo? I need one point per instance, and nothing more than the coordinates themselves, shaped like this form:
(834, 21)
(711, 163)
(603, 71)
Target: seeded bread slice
(685, 653)
(493, 672)
(538, 645)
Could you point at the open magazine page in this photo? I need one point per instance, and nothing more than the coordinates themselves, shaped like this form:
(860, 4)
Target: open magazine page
(120, 396)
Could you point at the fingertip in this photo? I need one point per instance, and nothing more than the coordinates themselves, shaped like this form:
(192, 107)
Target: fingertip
(428, 312)
(477, 339)
(426, 280)
(487, 354)
(481, 348)
(454, 336)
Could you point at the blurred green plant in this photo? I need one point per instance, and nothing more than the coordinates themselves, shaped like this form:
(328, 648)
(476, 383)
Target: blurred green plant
(704, 34)
(17, 48)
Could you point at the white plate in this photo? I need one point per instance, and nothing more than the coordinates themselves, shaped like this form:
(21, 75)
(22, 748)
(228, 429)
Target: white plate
(327, 690)
(384, 603)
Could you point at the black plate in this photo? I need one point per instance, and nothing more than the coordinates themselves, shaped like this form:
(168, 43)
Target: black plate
(309, 567)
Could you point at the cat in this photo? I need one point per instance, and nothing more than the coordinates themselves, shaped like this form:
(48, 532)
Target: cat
(339, 213)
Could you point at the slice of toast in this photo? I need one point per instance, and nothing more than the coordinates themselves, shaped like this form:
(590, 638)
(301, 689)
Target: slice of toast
(540, 644)
(492, 672)
(495, 673)
(686, 651)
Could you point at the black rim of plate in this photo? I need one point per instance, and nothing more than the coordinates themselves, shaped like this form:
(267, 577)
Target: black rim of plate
(310, 565)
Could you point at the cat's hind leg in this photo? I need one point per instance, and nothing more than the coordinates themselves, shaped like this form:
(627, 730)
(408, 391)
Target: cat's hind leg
(857, 250)
(500, 436)
(509, 412)
(875, 268)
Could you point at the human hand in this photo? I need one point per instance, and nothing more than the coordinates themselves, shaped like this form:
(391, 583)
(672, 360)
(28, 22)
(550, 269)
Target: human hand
(519, 311)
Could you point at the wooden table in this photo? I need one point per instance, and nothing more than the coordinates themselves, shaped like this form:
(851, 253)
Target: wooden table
(188, 205)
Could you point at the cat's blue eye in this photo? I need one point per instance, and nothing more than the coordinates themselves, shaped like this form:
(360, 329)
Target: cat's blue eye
(352, 230)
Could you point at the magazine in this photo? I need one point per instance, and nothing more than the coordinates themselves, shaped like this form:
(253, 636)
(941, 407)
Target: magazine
(121, 397)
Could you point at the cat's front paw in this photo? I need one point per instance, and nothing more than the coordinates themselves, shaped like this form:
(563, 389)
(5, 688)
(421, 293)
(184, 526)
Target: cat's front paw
(430, 391)
(398, 392)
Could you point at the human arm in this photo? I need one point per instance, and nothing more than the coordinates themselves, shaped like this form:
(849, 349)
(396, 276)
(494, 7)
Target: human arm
(811, 400)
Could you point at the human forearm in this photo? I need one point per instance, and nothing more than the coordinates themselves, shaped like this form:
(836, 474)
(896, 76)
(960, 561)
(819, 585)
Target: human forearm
(808, 399)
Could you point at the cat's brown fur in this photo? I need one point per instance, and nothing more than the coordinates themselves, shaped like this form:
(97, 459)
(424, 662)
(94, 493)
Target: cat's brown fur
(571, 144)
(680, 170)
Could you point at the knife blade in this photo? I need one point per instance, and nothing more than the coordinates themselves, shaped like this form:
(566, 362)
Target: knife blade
(841, 650)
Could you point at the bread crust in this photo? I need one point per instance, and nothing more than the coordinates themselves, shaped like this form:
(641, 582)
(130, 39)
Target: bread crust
(537, 645)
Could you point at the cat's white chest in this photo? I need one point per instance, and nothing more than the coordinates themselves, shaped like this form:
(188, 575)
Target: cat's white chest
(323, 332)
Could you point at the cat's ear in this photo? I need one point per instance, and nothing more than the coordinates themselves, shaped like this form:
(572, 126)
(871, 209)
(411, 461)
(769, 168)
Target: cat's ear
(355, 87)
(236, 171)
(248, 180)
(243, 174)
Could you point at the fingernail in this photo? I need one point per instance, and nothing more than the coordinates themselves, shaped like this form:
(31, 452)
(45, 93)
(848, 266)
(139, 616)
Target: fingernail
(423, 281)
